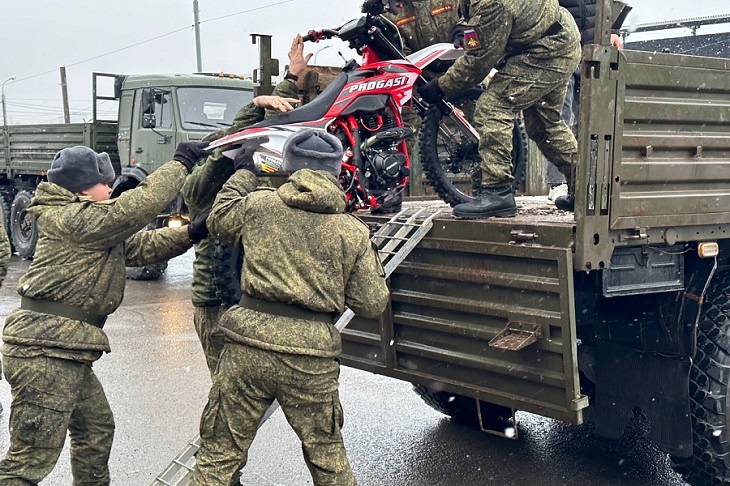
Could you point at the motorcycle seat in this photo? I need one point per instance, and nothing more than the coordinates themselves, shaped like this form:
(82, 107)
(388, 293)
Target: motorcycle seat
(313, 110)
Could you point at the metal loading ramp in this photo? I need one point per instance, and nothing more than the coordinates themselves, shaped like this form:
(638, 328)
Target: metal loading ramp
(394, 240)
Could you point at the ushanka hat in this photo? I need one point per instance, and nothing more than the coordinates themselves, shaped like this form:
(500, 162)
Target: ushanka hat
(80, 168)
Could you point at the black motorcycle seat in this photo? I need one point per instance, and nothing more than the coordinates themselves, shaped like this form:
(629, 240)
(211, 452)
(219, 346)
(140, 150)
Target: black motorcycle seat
(313, 110)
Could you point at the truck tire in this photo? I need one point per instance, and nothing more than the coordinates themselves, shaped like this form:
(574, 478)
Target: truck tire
(23, 227)
(708, 394)
(463, 409)
(227, 262)
(450, 158)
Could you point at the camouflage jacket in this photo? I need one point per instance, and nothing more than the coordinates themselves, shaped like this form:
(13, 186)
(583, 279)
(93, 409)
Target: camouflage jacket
(301, 249)
(4, 253)
(425, 22)
(82, 249)
(502, 28)
(204, 183)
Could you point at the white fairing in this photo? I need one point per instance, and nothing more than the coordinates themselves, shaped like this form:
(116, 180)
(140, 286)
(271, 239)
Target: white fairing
(269, 146)
(435, 52)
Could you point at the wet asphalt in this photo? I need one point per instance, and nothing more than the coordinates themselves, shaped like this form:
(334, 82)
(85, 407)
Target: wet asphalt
(156, 382)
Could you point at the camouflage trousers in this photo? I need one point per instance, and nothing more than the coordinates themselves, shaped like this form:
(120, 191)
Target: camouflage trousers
(205, 319)
(537, 92)
(246, 382)
(51, 396)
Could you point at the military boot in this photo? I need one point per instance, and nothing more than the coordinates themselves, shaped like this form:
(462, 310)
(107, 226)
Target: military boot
(391, 204)
(566, 202)
(492, 201)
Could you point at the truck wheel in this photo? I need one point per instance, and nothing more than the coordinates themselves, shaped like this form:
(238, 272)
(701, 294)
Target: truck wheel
(463, 409)
(227, 262)
(23, 228)
(709, 397)
(450, 158)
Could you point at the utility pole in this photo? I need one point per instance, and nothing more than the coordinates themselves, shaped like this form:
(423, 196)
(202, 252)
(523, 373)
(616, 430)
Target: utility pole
(198, 56)
(64, 95)
(2, 93)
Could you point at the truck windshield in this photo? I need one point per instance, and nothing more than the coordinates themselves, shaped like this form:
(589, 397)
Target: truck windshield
(210, 108)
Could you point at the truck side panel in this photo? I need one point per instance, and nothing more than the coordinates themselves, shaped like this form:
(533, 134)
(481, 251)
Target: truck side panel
(654, 152)
(452, 296)
(31, 148)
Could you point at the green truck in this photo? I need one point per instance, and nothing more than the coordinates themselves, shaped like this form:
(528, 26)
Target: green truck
(155, 113)
(622, 307)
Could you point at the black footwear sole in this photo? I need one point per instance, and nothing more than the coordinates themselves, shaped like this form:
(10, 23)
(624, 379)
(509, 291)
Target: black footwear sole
(504, 213)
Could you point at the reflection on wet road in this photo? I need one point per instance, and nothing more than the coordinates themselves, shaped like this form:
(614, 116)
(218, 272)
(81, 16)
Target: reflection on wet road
(157, 382)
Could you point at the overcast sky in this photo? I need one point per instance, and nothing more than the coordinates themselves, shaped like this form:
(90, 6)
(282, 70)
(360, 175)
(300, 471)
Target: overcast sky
(38, 36)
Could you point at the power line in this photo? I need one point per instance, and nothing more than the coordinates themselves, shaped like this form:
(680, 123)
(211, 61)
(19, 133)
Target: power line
(151, 40)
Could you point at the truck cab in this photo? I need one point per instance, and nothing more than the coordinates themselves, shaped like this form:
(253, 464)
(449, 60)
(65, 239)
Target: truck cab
(156, 112)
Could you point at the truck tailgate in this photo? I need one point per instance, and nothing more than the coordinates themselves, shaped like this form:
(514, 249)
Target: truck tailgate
(463, 284)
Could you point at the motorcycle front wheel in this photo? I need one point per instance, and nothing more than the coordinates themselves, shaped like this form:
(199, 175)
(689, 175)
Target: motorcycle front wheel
(450, 157)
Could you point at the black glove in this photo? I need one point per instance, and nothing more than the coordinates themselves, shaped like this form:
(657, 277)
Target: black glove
(375, 7)
(188, 153)
(431, 92)
(244, 159)
(198, 229)
(457, 35)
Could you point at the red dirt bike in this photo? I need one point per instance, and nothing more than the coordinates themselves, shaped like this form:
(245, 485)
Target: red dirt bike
(362, 107)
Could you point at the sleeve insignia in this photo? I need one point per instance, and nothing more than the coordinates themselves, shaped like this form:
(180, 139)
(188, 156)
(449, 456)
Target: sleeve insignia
(471, 40)
(405, 20)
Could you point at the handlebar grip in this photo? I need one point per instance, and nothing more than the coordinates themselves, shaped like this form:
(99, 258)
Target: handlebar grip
(310, 36)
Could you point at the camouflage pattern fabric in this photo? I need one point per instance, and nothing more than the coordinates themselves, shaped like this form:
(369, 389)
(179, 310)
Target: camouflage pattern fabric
(296, 238)
(423, 23)
(4, 261)
(4, 253)
(533, 73)
(51, 396)
(205, 319)
(199, 192)
(83, 248)
(247, 381)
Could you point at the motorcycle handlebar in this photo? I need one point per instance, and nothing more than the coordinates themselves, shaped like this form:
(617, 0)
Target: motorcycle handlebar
(318, 35)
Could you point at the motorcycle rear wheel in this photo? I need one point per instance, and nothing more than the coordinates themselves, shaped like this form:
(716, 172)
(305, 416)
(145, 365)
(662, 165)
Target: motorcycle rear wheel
(449, 157)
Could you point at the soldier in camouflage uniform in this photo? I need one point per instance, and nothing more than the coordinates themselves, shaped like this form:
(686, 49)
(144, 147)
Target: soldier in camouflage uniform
(535, 47)
(75, 281)
(422, 23)
(305, 261)
(201, 188)
(4, 260)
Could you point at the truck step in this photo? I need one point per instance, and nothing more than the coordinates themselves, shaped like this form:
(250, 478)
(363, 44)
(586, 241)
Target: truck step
(516, 336)
(394, 241)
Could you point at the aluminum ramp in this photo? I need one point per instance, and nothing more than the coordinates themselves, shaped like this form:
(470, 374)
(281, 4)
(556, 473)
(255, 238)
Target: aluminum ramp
(394, 240)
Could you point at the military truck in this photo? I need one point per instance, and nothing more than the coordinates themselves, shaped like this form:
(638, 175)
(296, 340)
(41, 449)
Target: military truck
(620, 308)
(155, 113)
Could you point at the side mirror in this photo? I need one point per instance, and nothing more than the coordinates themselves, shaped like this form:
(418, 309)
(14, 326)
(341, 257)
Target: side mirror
(149, 120)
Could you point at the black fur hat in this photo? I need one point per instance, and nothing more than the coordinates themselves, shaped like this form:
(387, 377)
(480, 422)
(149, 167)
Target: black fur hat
(80, 168)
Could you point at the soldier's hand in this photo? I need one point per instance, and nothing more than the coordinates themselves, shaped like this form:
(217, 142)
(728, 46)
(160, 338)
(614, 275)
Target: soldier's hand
(198, 229)
(271, 102)
(244, 159)
(297, 60)
(379, 6)
(457, 35)
(431, 92)
(188, 153)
